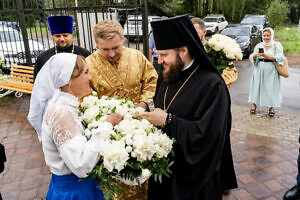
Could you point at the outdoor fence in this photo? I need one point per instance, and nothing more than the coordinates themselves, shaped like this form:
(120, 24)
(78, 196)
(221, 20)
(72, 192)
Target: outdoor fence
(24, 31)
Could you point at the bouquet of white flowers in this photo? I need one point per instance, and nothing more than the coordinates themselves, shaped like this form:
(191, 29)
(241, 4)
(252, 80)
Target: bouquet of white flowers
(222, 51)
(132, 151)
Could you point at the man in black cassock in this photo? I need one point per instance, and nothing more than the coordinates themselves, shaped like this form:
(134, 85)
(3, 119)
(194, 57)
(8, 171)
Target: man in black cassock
(61, 28)
(193, 106)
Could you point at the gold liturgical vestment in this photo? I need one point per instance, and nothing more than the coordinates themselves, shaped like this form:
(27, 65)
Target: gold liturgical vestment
(132, 76)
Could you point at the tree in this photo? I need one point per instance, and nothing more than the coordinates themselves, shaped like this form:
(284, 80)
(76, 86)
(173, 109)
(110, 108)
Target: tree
(294, 15)
(278, 13)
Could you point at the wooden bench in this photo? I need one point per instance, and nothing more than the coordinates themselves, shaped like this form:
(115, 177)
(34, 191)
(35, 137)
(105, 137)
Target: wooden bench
(20, 81)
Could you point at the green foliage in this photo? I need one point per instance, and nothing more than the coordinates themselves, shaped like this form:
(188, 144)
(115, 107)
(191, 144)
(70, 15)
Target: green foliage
(295, 11)
(289, 38)
(30, 17)
(159, 167)
(218, 58)
(278, 13)
(233, 10)
(108, 183)
(1, 66)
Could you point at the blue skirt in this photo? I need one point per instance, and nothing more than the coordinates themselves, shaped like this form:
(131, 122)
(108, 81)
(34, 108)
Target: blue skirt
(70, 187)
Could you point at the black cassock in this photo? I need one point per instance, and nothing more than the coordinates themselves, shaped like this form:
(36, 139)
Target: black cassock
(201, 125)
(44, 57)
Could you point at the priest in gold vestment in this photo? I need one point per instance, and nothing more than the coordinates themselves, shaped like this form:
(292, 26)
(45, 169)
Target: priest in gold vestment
(124, 72)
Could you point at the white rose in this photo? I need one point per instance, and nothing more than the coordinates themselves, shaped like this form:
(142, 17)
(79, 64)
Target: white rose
(146, 173)
(115, 156)
(128, 149)
(129, 141)
(133, 154)
(90, 114)
(87, 133)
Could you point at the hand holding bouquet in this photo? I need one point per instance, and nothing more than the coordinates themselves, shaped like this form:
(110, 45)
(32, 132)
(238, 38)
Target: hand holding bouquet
(132, 151)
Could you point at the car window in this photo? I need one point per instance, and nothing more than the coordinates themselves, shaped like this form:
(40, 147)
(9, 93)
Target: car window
(254, 29)
(210, 19)
(10, 36)
(238, 30)
(154, 19)
(135, 22)
(253, 20)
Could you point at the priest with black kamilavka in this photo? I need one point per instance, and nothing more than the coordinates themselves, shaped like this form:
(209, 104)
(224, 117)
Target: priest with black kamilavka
(61, 28)
(193, 106)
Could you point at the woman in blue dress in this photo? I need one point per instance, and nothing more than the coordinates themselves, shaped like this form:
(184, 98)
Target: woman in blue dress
(54, 103)
(265, 89)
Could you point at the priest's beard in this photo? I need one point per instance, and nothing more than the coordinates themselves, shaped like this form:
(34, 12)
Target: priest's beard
(174, 70)
(64, 48)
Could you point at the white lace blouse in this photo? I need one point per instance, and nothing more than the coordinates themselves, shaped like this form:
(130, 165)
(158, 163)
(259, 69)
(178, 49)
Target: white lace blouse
(65, 147)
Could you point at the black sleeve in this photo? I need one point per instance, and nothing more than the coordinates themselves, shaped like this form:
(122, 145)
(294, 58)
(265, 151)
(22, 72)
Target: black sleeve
(37, 67)
(87, 53)
(2, 157)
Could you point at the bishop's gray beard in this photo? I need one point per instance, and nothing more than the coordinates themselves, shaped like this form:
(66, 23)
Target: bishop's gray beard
(174, 70)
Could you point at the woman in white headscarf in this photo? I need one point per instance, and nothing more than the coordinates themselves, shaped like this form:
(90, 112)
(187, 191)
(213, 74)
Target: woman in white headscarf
(63, 80)
(265, 88)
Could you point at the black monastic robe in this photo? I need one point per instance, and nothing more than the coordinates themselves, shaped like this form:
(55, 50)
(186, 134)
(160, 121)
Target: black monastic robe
(201, 124)
(44, 57)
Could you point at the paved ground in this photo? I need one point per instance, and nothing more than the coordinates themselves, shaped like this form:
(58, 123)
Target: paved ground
(264, 150)
(290, 87)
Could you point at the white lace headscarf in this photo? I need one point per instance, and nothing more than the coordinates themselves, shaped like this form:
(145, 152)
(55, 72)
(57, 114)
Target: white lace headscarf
(271, 42)
(55, 73)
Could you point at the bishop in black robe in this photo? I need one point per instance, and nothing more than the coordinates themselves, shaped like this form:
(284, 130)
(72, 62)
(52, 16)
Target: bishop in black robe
(199, 118)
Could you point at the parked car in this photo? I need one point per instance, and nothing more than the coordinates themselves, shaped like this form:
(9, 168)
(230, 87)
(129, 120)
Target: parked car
(261, 21)
(12, 49)
(215, 23)
(246, 35)
(13, 25)
(133, 28)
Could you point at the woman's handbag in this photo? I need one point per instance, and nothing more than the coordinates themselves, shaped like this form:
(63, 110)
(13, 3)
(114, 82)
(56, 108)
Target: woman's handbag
(283, 70)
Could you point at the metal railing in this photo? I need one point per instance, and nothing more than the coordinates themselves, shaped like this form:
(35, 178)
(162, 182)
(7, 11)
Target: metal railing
(24, 32)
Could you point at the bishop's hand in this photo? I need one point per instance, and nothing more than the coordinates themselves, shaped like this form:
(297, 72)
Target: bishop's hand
(157, 117)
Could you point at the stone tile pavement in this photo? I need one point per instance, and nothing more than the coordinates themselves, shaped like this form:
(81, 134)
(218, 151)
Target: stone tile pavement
(264, 150)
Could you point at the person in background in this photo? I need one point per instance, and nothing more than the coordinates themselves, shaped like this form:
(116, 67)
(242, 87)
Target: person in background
(265, 89)
(193, 107)
(124, 72)
(200, 28)
(294, 192)
(61, 28)
(54, 107)
(153, 56)
(2, 161)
